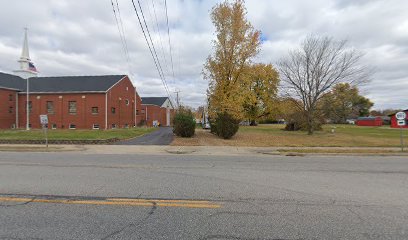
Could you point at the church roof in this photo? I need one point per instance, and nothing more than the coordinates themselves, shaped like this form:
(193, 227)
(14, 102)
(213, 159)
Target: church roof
(11, 81)
(62, 84)
(158, 101)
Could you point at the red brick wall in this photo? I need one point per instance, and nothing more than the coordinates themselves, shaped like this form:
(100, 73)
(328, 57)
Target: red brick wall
(84, 118)
(139, 116)
(7, 108)
(156, 113)
(124, 113)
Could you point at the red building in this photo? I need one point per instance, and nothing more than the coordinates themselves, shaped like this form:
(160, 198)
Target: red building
(394, 120)
(8, 100)
(369, 121)
(75, 102)
(71, 102)
(159, 110)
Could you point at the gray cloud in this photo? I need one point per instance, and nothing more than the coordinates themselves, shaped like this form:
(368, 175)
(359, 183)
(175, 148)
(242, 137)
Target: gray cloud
(73, 37)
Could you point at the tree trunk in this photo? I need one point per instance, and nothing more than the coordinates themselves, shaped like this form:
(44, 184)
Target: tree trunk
(310, 128)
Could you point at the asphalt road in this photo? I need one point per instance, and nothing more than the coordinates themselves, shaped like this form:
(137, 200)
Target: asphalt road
(87, 196)
(162, 136)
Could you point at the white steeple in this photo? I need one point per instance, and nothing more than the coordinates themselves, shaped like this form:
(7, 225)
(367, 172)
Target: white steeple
(25, 71)
(25, 54)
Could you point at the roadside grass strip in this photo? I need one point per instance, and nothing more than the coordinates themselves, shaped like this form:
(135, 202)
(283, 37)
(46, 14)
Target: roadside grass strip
(117, 201)
(375, 151)
(76, 135)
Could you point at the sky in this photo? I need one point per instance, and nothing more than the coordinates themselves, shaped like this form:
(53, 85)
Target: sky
(76, 37)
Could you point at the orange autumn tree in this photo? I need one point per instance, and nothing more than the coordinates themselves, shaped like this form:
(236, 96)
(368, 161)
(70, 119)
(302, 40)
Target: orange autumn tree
(261, 92)
(236, 44)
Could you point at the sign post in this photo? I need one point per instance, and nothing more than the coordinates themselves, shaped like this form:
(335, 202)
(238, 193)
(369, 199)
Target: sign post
(44, 124)
(401, 116)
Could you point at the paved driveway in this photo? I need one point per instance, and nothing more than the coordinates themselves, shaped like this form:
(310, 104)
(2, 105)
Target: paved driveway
(163, 136)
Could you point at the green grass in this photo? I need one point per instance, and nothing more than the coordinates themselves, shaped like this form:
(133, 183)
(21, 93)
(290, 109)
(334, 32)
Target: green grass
(352, 130)
(343, 136)
(36, 134)
(337, 150)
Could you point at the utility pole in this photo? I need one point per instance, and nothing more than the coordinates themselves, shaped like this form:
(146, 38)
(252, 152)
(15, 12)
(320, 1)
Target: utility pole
(177, 98)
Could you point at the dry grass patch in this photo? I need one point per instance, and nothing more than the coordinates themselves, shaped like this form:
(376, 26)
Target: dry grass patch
(342, 151)
(274, 136)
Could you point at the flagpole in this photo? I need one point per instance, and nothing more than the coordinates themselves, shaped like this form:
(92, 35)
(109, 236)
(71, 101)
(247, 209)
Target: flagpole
(28, 105)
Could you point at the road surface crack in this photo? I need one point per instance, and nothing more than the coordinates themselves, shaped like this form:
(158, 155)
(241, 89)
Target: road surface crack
(133, 224)
(18, 204)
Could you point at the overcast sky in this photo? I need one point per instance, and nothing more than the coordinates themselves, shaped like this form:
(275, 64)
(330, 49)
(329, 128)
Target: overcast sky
(77, 37)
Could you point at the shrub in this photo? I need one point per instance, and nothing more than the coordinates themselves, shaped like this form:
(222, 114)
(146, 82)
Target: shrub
(142, 123)
(225, 125)
(297, 121)
(213, 127)
(184, 123)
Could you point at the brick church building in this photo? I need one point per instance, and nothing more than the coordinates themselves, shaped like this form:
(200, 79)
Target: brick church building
(159, 110)
(85, 102)
(70, 102)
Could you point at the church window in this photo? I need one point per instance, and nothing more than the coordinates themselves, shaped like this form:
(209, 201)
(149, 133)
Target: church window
(72, 107)
(95, 110)
(50, 107)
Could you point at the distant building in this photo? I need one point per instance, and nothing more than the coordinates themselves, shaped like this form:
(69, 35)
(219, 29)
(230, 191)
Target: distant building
(394, 123)
(369, 121)
(157, 110)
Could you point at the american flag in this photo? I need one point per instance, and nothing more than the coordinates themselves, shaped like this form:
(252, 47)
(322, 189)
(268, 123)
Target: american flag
(32, 67)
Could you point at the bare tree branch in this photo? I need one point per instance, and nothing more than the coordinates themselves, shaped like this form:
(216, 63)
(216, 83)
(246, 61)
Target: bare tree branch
(311, 71)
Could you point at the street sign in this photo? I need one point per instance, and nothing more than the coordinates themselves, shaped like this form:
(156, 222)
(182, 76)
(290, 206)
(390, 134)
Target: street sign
(43, 119)
(44, 123)
(401, 122)
(401, 115)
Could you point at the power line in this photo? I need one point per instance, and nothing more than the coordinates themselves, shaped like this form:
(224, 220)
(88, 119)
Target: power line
(160, 36)
(156, 61)
(154, 49)
(117, 25)
(122, 35)
(123, 30)
(168, 33)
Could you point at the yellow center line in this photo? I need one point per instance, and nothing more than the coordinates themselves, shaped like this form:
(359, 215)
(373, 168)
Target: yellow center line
(158, 200)
(120, 201)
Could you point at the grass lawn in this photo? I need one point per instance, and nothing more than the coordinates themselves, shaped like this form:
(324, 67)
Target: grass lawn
(36, 134)
(273, 136)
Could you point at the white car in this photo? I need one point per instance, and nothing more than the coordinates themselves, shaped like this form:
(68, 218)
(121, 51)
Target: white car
(351, 121)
